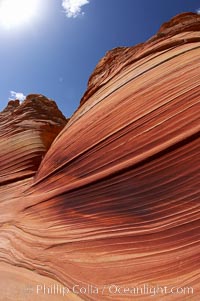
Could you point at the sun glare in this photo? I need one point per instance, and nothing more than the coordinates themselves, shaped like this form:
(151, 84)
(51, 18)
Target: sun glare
(14, 13)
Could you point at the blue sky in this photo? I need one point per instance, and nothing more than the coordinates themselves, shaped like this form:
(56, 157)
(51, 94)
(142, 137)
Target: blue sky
(56, 51)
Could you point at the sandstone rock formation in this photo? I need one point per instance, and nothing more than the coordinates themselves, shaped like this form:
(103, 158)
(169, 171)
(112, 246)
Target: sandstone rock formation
(26, 133)
(114, 203)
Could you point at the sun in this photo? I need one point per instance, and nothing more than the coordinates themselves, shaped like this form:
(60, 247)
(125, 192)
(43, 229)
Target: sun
(15, 13)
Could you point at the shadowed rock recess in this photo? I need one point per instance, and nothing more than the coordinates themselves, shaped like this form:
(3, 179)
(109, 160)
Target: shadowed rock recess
(107, 204)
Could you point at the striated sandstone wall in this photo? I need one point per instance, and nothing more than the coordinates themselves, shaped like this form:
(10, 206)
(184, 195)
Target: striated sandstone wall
(115, 199)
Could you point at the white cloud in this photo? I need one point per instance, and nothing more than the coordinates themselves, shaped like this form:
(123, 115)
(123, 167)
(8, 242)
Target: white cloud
(198, 11)
(73, 8)
(17, 95)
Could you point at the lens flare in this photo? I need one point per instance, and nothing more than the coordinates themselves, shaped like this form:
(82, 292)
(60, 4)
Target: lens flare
(14, 13)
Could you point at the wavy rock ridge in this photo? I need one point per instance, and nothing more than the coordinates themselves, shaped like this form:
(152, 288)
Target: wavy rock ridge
(26, 133)
(115, 199)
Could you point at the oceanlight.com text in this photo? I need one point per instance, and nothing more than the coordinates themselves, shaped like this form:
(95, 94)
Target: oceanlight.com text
(112, 289)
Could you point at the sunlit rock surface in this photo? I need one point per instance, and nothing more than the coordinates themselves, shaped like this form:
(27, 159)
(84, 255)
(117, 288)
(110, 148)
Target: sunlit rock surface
(115, 200)
(26, 133)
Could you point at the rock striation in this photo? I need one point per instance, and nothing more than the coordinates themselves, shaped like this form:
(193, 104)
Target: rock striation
(110, 209)
(26, 133)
